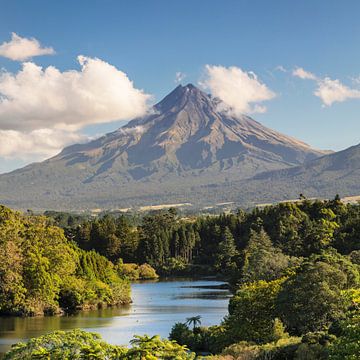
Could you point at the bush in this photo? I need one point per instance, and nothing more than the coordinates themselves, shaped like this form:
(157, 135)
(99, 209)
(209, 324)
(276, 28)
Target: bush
(347, 345)
(283, 349)
(136, 272)
(60, 345)
(147, 272)
(78, 344)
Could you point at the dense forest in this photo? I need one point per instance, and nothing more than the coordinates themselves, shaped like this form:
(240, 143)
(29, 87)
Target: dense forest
(294, 270)
(41, 272)
(226, 244)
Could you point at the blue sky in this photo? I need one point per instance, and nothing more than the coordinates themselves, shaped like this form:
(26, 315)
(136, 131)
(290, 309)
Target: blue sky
(150, 41)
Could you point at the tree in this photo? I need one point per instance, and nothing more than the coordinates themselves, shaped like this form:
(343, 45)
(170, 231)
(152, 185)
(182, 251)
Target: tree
(153, 348)
(320, 234)
(225, 259)
(252, 312)
(311, 298)
(195, 320)
(262, 261)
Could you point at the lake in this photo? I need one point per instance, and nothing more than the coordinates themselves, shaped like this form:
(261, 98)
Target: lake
(156, 307)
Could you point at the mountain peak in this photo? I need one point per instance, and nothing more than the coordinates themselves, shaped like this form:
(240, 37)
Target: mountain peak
(180, 96)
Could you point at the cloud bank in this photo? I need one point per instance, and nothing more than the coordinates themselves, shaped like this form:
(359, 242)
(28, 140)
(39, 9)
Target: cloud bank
(36, 145)
(37, 98)
(42, 109)
(241, 91)
(328, 90)
(20, 49)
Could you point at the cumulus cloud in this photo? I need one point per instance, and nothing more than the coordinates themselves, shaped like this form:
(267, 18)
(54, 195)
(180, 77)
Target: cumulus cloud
(241, 91)
(179, 77)
(303, 74)
(43, 109)
(36, 145)
(20, 49)
(37, 98)
(328, 90)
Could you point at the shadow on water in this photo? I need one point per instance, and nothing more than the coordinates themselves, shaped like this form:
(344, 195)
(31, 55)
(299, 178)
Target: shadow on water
(156, 307)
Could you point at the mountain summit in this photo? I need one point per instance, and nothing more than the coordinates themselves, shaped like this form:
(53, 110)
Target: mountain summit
(188, 140)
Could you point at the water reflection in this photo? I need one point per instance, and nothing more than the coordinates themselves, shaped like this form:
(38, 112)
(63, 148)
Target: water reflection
(156, 307)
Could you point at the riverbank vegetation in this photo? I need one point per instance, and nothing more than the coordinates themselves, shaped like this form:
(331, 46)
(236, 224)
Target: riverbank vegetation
(293, 269)
(42, 273)
(294, 272)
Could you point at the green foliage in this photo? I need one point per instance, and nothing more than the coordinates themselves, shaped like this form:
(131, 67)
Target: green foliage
(311, 298)
(200, 339)
(314, 346)
(225, 260)
(279, 350)
(223, 244)
(136, 272)
(194, 320)
(262, 261)
(153, 348)
(173, 266)
(347, 345)
(60, 345)
(252, 312)
(41, 270)
(77, 344)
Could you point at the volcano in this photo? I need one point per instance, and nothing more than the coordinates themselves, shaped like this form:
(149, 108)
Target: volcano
(189, 142)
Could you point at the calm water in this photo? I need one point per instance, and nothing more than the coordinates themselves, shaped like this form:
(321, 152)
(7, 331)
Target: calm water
(156, 307)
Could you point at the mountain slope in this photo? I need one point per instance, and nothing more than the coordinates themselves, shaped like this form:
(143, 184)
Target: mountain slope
(183, 146)
(324, 177)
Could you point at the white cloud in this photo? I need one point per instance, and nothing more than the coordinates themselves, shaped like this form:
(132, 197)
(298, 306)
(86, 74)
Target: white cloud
(303, 74)
(179, 77)
(37, 98)
(41, 110)
(132, 130)
(328, 90)
(239, 90)
(35, 145)
(21, 49)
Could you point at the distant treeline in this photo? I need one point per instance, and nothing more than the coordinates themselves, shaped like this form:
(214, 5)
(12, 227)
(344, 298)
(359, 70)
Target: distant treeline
(216, 244)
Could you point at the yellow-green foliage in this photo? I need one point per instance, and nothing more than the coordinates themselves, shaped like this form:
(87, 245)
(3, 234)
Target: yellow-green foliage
(137, 272)
(281, 349)
(40, 269)
(79, 344)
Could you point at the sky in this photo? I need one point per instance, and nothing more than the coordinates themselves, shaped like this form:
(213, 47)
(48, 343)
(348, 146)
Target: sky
(74, 70)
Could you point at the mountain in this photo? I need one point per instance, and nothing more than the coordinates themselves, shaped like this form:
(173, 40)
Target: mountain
(179, 152)
(325, 176)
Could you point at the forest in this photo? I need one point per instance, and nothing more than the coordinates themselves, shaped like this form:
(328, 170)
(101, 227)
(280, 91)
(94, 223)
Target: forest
(293, 269)
(43, 273)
